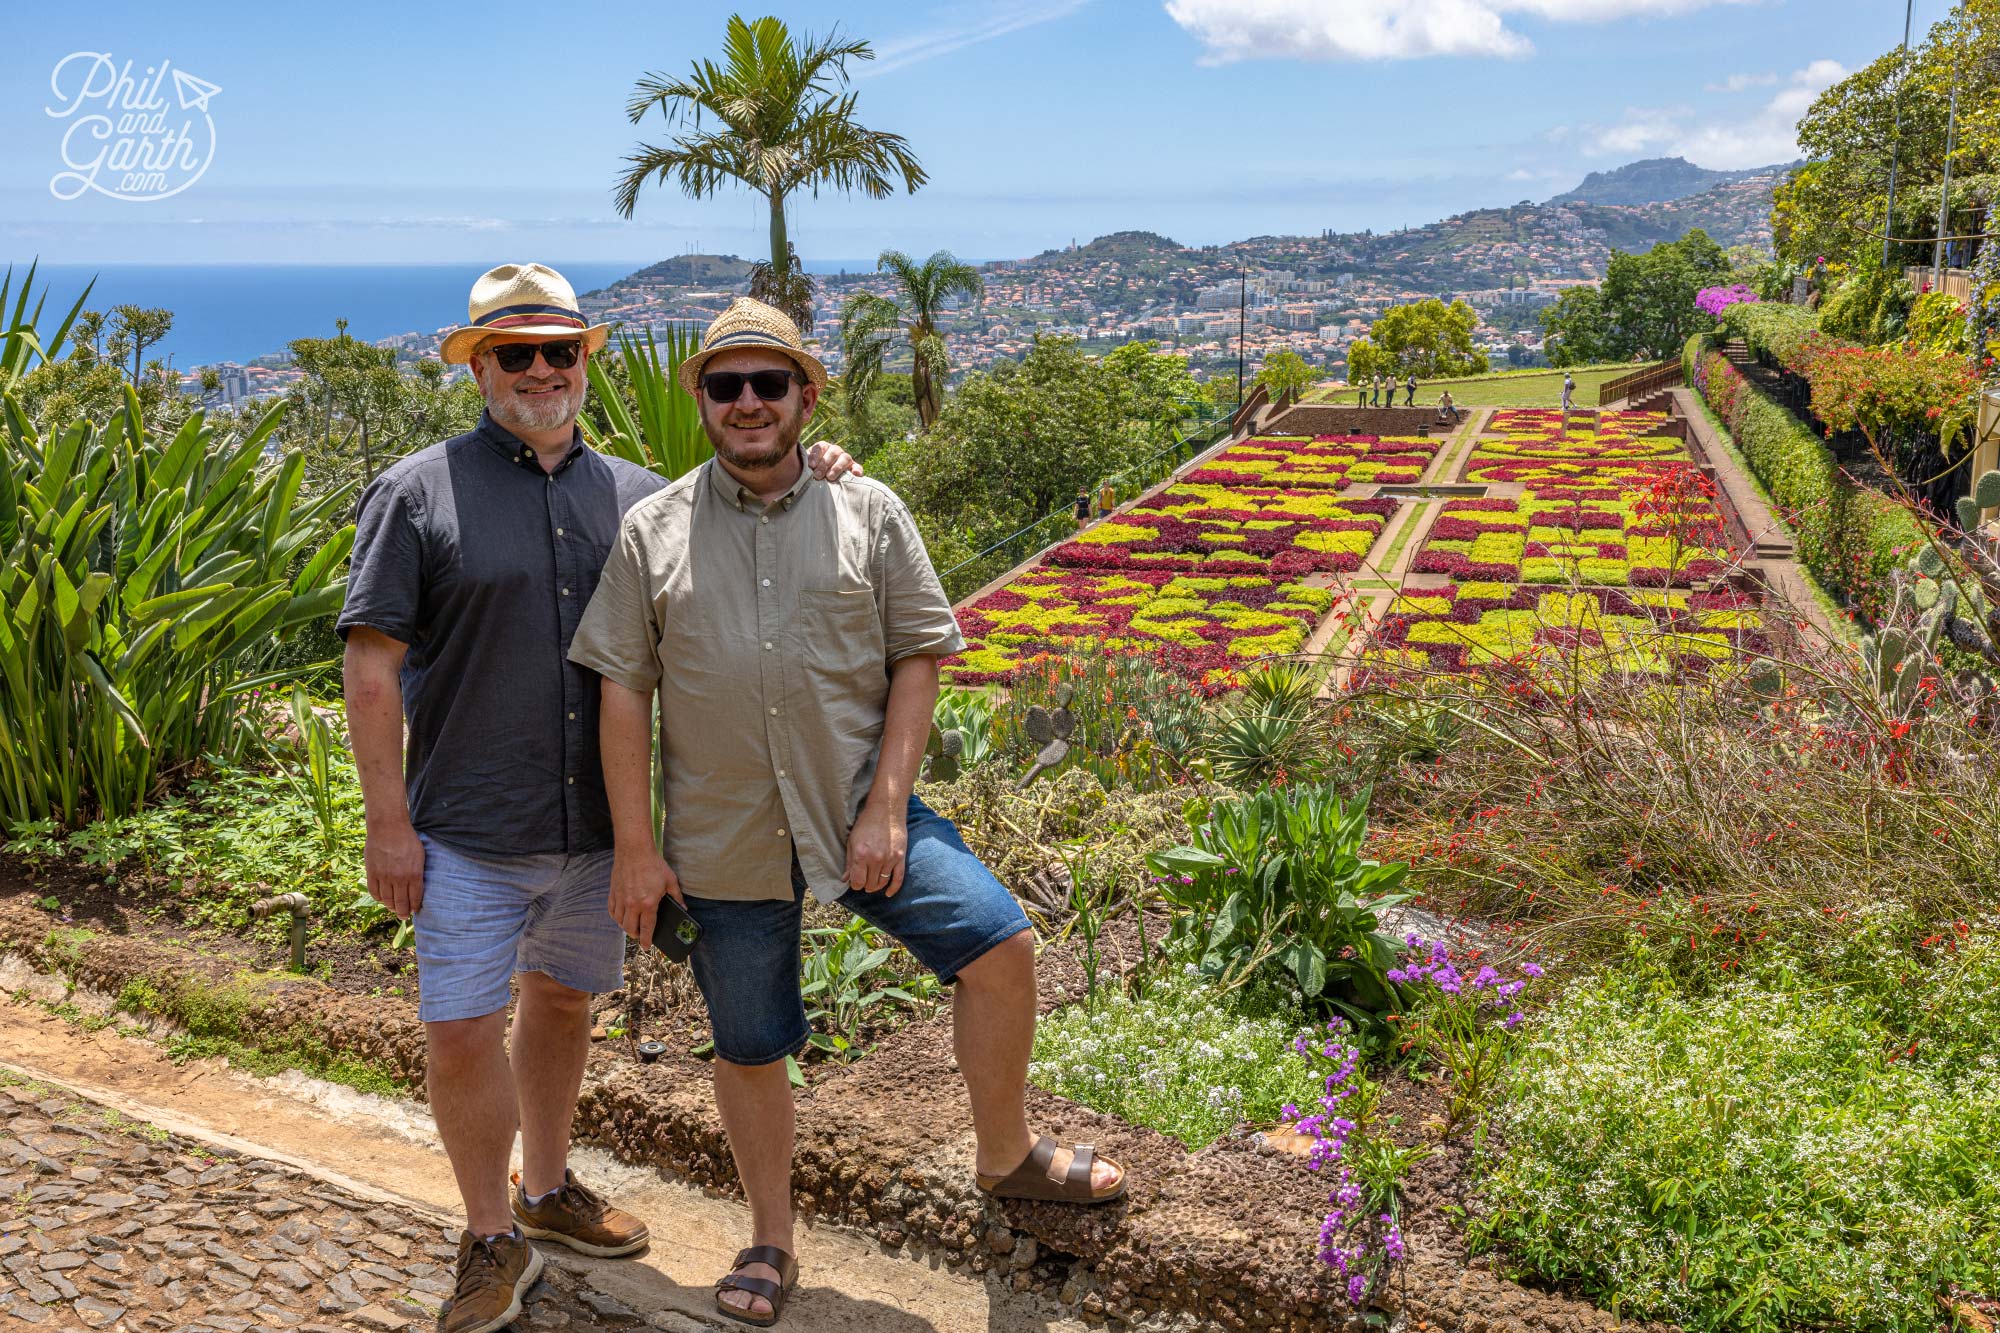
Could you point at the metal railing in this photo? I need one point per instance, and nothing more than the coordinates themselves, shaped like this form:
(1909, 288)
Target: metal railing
(980, 568)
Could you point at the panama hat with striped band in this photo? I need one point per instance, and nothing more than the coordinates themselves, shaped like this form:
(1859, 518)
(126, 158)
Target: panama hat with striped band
(748, 324)
(520, 299)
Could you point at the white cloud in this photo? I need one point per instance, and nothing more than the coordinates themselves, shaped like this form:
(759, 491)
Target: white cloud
(1389, 29)
(1765, 136)
(1737, 83)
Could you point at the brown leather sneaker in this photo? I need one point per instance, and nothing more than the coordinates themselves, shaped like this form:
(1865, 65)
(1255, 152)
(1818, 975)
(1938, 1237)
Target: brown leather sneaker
(580, 1218)
(493, 1281)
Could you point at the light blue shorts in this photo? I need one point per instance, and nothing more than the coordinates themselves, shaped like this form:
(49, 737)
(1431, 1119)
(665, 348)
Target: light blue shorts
(485, 918)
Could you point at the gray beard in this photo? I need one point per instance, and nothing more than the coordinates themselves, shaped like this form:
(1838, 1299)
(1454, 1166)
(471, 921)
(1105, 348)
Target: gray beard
(536, 414)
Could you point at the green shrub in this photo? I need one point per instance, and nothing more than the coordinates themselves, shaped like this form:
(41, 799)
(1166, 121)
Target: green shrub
(1282, 878)
(149, 582)
(1188, 1060)
(1772, 328)
(1776, 1153)
(1849, 536)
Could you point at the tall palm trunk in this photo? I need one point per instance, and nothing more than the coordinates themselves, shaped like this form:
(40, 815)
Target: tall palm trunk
(781, 252)
(923, 391)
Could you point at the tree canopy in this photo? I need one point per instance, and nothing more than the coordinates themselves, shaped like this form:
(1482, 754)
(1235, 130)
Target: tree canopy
(1645, 307)
(1428, 339)
(1833, 207)
(1017, 442)
(1286, 372)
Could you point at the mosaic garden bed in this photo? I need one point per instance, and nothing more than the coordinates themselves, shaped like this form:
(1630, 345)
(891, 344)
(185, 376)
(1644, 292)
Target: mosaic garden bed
(1597, 532)
(1208, 572)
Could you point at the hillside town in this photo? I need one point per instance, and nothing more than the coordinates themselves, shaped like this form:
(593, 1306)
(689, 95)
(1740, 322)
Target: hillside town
(1207, 305)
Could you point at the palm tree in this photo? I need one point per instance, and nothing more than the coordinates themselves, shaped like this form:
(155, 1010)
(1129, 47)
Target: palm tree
(869, 325)
(780, 124)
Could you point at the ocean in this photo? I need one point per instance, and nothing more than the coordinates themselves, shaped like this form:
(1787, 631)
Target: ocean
(236, 312)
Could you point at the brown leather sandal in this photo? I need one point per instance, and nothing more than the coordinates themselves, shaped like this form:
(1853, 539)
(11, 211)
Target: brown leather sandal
(1033, 1179)
(774, 1292)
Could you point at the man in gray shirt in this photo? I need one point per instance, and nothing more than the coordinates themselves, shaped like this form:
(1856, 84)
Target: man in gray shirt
(473, 560)
(791, 632)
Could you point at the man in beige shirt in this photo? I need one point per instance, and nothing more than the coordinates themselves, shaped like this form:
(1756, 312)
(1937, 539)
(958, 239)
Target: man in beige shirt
(792, 631)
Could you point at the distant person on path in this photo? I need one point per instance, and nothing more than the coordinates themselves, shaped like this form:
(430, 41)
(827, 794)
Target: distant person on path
(1361, 394)
(1446, 410)
(1082, 508)
(473, 560)
(1569, 391)
(1376, 401)
(1410, 388)
(795, 700)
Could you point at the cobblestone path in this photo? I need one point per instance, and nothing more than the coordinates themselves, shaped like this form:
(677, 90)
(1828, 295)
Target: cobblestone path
(107, 1223)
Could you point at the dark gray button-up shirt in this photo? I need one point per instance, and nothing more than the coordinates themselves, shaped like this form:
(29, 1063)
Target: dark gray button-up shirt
(483, 563)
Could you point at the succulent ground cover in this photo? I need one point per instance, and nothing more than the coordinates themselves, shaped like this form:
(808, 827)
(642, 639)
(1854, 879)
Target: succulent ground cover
(1202, 625)
(1206, 574)
(1332, 462)
(1600, 538)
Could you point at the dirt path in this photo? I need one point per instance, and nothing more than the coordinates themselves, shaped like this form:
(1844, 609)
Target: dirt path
(386, 1152)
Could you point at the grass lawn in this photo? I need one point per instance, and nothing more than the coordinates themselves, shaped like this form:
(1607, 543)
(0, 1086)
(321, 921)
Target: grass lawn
(1537, 388)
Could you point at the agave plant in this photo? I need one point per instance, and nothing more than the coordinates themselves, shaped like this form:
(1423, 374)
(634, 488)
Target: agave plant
(145, 586)
(665, 433)
(21, 344)
(1274, 730)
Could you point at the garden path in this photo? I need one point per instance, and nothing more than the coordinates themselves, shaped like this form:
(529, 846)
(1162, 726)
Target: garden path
(368, 1175)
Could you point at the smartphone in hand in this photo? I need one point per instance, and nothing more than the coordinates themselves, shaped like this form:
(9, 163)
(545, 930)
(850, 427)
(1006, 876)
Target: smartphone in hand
(674, 931)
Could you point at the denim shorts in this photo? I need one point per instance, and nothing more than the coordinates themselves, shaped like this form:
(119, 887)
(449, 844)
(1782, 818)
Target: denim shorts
(485, 918)
(949, 912)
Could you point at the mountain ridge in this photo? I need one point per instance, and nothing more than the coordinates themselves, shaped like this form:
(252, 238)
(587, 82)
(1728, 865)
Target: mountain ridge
(1654, 180)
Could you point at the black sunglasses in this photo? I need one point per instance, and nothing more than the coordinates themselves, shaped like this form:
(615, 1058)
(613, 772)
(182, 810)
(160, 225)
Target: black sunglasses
(726, 386)
(517, 357)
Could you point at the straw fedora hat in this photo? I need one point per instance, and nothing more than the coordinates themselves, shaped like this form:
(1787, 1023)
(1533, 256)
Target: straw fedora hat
(746, 324)
(520, 299)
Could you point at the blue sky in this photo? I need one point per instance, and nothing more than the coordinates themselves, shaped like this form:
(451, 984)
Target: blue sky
(366, 132)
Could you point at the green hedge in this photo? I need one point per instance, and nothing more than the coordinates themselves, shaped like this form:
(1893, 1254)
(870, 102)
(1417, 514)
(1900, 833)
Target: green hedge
(1769, 326)
(1849, 536)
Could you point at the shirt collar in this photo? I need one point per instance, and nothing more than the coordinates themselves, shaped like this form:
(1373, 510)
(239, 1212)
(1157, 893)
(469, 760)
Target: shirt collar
(738, 496)
(511, 447)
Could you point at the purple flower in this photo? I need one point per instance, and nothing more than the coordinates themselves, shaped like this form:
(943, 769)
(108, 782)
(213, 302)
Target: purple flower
(1357, 1289)
(1486, 977)
(1513, 1020)
(1529, 969)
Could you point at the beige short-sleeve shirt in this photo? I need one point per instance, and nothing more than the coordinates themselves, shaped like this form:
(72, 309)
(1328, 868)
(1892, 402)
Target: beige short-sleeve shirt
(767, 632)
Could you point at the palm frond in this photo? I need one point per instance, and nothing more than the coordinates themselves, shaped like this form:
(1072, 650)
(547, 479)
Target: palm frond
(868, 326)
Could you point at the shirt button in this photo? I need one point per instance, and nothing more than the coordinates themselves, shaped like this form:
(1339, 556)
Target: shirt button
(558, 532)
(774, 712)
(572, 717)
(570, 781)
(767, 647)
(781, 772)
(767, 583)
(565, 592)
(764, 519)
(781, 833)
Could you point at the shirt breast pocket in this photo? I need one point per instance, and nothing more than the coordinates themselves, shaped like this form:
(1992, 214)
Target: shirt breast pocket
(840, 633)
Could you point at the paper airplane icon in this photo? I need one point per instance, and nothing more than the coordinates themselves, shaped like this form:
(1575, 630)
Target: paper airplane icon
(194, 93)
